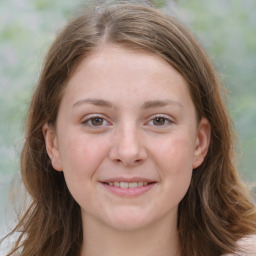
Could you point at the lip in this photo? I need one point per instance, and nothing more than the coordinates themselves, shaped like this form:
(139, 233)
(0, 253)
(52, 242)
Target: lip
(127, 179)
(128, 192)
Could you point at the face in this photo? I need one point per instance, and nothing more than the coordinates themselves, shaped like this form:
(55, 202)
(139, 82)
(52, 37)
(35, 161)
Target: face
(127, 138)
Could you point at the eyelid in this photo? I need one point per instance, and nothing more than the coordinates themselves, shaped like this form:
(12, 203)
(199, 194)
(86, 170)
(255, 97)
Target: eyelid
(164, 116)
(89, 117)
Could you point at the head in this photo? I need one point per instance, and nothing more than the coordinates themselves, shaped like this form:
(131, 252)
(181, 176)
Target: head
(143, 29)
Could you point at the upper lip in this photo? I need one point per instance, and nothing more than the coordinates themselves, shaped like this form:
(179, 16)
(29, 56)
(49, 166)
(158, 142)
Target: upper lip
(123, 179)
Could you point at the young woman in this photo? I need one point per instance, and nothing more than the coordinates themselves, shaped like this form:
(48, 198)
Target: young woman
(129, 148)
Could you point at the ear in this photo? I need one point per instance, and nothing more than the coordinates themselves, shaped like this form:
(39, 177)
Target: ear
(202, 142)
(52, 149)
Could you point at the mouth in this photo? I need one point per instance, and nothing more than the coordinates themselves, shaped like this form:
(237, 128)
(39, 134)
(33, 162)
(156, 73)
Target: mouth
(128, 188)
(126, 185)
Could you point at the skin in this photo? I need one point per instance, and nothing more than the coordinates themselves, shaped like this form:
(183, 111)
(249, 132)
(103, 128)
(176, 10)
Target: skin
(127, 114)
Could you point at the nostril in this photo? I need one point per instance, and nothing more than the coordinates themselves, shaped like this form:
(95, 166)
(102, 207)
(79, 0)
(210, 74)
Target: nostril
(128, 162)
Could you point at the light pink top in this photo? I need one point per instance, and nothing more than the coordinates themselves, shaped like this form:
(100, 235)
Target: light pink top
(247, 247)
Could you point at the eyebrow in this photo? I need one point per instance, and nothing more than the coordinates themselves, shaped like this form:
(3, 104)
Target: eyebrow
(146, 105)
(161, 103)
(93, 101)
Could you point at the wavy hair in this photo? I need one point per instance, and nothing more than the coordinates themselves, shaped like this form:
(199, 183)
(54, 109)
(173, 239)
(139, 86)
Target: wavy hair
(216, 211)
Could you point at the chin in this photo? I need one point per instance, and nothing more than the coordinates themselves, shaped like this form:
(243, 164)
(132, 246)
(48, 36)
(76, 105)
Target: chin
(129, 219)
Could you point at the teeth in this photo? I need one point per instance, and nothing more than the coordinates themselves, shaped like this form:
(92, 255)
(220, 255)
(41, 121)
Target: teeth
(127, 184)
(123, 184)
(133, 185)
(140, 184)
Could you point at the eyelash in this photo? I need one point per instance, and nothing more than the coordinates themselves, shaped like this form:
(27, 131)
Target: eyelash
(88, 121)
(167, 121)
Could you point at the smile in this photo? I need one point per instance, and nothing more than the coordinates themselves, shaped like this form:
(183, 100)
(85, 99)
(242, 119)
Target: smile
(128, 184)
(128, 188)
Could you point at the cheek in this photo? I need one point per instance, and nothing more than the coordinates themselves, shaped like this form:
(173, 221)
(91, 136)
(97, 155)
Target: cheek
(175, 162)
(177, 153)
(81, 156)
(81, 153)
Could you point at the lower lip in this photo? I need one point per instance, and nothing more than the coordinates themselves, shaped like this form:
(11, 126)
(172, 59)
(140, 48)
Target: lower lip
(129, 192)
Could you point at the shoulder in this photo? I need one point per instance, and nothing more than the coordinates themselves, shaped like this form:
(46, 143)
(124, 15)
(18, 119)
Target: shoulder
(247, 247)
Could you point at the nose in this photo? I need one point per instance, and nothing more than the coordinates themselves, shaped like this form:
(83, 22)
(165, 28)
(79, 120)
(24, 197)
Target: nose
(128, 147)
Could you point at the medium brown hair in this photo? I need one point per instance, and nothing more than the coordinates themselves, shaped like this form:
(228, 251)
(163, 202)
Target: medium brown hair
(215, 212)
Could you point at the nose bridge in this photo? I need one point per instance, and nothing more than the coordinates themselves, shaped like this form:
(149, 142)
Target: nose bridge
(128, 146)
(128, 139)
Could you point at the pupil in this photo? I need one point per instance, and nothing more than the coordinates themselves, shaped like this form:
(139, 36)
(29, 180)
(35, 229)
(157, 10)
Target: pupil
(159, 121)
(97, 121)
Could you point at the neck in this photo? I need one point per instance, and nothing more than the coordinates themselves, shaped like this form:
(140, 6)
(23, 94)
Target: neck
(155, 239)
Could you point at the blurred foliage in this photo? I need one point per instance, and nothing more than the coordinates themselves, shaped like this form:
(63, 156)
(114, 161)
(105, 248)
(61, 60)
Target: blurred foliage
(26, 31)
(226, 28)
(159, 3)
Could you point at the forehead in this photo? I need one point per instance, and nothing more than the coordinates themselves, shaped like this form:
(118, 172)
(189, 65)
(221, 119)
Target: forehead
(119, 59)
(113, 71)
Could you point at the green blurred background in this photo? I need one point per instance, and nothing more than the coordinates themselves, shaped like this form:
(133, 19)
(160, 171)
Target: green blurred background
(226, 29)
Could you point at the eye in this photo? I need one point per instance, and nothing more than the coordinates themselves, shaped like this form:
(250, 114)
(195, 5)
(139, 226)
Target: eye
(95, 121)
(160, 121)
